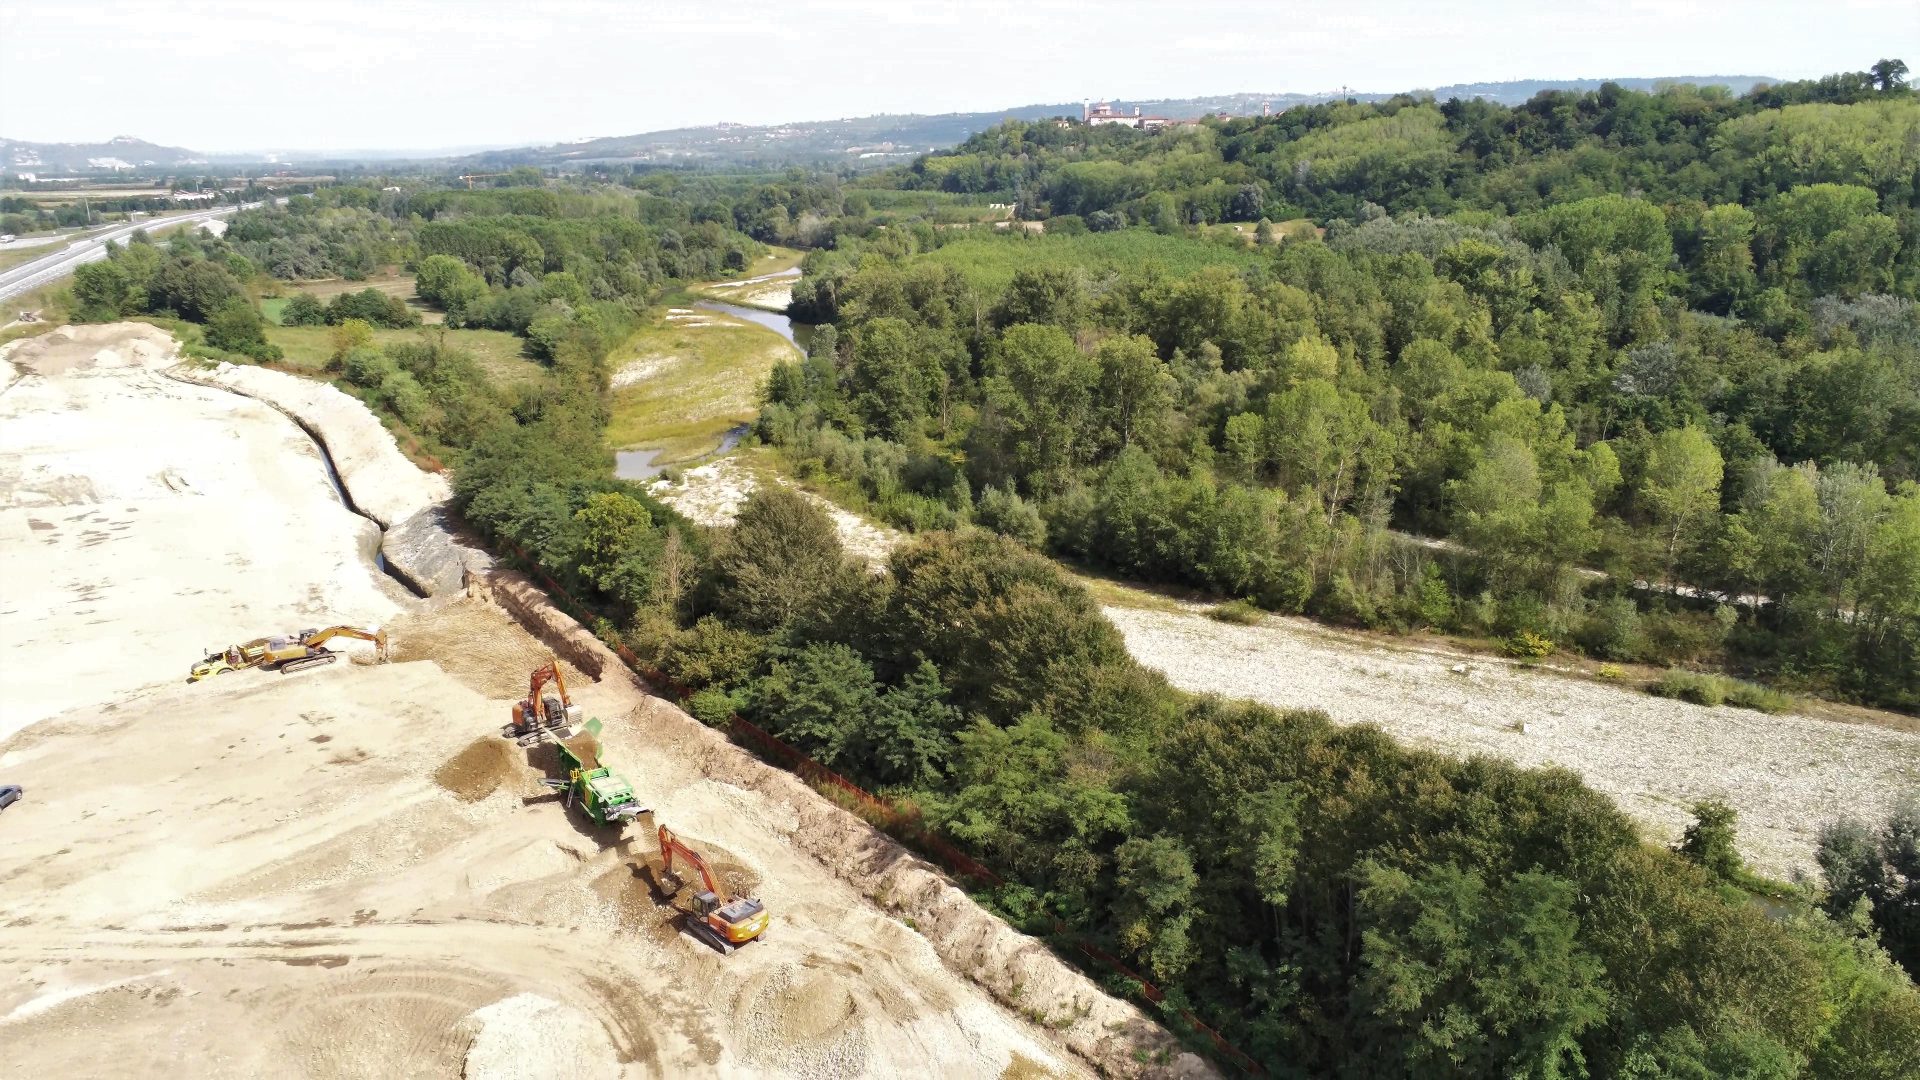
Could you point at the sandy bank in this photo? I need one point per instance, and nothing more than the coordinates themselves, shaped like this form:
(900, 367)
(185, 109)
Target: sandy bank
(1785, 775)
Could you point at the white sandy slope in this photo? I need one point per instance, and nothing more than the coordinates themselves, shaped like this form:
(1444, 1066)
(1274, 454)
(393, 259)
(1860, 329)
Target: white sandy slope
(144, 522)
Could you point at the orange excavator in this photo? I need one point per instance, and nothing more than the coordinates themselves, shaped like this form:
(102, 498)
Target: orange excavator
(722, 921)
(535, 718)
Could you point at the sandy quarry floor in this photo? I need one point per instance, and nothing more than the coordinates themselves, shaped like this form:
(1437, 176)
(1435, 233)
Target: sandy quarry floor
(1785, 775)
(350, 866)
(143, 522)
(346, 872)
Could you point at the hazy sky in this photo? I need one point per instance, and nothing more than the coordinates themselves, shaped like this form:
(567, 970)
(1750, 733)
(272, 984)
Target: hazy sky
(266, 74)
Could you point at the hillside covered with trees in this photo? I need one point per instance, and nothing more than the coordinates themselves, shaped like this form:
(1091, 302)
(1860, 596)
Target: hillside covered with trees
(1668, 337)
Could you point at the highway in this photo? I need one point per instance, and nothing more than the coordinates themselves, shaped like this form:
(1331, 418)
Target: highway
(62, 259)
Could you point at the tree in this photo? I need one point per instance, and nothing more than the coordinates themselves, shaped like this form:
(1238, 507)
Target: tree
(1709, 841)
(192, 289)
(1038, 395)
(101, 292)
(821, 699)
(780, 561)
(1880, 870)
(911, 737)
(1461, 978)
(1155, 908)
(1724, 275)
(1135, 391)
(890, 382)
(1889, 75)
(236, 327)
(619, 547)
(1681, 486)
(447, 283)
(1324, 442)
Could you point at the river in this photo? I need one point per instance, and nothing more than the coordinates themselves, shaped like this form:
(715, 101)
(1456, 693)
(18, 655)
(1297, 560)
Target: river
(639, 464)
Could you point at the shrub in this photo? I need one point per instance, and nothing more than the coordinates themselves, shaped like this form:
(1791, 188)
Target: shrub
(237, 327)
(1759, 698)
(712, 653)
(302, 309)
(1237, 612)
(1527, 645)
(1688, 686)
(1005, 512)
(1613, 630)
(1612, 671)
(714, 708)
(1712, 690)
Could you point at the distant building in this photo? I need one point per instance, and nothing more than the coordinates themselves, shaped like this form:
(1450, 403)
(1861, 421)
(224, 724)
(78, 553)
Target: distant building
(1102, 112)
(194, 196)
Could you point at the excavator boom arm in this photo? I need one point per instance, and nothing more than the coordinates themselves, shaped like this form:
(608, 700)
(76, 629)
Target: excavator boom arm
(321, 637)
(550, 673)
(669, 844)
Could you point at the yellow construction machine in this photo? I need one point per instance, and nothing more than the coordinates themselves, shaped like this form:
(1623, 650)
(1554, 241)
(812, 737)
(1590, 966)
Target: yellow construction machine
(286, 653)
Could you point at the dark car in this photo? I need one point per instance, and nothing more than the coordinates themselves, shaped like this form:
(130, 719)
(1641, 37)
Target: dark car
(9, 794)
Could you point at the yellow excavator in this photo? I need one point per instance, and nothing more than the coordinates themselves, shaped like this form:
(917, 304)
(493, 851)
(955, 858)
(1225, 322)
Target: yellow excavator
(287, 653)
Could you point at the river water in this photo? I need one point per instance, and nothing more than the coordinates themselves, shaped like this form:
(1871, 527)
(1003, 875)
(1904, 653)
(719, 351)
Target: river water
(639, 464)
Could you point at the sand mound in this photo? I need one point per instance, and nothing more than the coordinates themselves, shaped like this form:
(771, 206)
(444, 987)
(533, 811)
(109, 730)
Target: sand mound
(484, 767)
(803, 1023)
(86, 348)
(528, 1037)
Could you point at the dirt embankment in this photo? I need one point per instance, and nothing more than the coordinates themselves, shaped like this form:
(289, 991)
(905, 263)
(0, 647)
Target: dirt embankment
(420, 542)
(1785, 775)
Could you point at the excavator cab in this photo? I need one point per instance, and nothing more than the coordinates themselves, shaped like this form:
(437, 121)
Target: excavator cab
(739, 921)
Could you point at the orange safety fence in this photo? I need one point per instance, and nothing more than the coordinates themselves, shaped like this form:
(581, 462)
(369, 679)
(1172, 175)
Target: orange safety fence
(879, 810)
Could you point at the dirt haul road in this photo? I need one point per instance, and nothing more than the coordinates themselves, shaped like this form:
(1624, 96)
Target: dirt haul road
(347, 872)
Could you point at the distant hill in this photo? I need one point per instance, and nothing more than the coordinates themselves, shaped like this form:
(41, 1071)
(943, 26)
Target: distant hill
(122, 152)
(861, 141)
(873, 140)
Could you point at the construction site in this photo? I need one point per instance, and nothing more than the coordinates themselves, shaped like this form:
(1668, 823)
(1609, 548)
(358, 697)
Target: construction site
(315, 788)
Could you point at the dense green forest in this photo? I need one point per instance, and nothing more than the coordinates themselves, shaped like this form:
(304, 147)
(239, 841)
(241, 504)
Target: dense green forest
(1671, 338)
(1715, 406)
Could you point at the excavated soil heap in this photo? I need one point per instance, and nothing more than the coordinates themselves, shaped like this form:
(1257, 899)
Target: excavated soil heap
(484, 767)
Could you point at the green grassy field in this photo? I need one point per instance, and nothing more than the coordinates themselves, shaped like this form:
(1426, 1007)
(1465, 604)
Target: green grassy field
(497, 351)
(990, 261)
(690, 383)
(391, 282)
